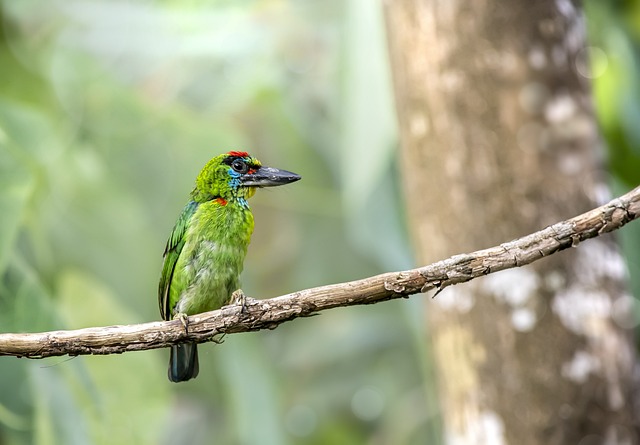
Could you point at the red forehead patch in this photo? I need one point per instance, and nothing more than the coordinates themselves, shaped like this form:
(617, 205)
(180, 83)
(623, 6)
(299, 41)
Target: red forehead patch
(239, 154)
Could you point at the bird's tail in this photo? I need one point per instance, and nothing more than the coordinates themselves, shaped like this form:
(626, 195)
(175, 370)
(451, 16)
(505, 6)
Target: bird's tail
(183, 363)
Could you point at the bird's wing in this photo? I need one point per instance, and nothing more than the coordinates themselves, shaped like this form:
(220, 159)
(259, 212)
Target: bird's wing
(175, 243)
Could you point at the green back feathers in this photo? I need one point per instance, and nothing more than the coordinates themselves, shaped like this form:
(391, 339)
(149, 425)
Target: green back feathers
(174, 246)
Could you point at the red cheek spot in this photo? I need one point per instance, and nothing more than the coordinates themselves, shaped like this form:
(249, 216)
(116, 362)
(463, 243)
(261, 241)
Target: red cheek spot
(221, 201)
(252, 171)
(239, 154)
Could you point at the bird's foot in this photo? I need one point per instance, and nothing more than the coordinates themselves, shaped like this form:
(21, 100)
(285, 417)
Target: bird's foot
(184, 319)
(238, 298)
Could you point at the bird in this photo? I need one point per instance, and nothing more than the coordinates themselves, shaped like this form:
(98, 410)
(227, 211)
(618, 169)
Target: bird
(205, 252)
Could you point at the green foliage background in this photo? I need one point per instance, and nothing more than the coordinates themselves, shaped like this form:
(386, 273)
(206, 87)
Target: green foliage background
(107, 112)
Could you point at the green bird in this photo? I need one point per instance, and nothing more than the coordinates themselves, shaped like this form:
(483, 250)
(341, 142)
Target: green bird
(205, 252)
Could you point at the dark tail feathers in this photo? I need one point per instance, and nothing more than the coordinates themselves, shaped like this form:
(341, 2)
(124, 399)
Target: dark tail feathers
(183, 363)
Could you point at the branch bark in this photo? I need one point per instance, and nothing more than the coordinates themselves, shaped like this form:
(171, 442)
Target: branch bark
(268, 314)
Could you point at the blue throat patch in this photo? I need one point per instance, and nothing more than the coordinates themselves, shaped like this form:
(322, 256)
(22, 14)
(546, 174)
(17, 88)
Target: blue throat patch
(234, 181)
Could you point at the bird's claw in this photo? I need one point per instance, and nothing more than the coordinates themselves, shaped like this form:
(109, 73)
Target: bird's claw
(184, 319)
(238, 298)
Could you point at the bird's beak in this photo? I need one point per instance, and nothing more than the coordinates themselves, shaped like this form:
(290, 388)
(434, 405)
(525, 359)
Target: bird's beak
(268, 177)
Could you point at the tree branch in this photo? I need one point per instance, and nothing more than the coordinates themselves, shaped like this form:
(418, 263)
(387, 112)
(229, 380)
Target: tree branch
(268, 314)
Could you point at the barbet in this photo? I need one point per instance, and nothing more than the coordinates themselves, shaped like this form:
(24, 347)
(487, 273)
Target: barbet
(204, 254)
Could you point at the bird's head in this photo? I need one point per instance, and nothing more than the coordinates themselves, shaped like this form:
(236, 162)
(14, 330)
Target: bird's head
(237, 175)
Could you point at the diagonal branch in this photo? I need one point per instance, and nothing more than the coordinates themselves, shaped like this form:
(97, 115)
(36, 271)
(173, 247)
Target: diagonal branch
(268, 314)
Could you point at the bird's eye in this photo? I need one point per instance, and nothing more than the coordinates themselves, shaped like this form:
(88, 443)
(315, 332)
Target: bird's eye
(240, 166)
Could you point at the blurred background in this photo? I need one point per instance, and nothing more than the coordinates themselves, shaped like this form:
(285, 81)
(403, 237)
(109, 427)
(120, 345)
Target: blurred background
(109, 109)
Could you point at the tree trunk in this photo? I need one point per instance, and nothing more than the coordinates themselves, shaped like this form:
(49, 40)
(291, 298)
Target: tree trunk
(498, 140)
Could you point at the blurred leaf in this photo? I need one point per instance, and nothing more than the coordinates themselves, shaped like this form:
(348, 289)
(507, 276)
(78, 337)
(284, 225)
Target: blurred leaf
(15, 187)
(251, 386)
(56, 413)
(369, 130)
(614, 27)
(26, 304)
(136, 409)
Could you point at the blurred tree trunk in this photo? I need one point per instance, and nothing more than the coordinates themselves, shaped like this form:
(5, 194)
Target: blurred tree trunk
(498, 140)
